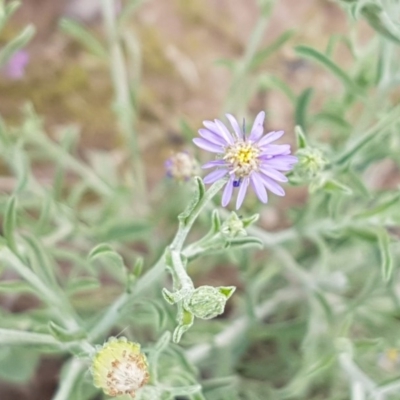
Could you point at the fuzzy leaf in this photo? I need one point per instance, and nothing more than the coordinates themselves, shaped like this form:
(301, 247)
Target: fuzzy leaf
(386, 256)
(9, 223)
(198, 194)
(322, 59)
(64, 335)
(84, 37)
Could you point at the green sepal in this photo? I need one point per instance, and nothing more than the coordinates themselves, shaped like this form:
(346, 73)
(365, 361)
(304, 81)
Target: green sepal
(215, 222)
(186, 319)
(250, 220)
(300, 137)
(63, 335)
(227, 291)
(198, 195)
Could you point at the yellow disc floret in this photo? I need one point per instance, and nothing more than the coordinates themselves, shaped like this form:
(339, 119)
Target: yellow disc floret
(243, 157)
(120, 368)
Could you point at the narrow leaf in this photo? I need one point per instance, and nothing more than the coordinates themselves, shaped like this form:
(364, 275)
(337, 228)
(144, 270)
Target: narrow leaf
(84, 37)
(320, 58)
(9, 223)
(16, 44)
(386, 257)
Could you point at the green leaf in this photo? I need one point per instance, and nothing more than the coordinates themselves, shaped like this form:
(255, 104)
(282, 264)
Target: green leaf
(198, 194)
(380, 209)
(265, 53)
(16, 44)
(376, 18)
(320, 58)
(9, 223)
(108, 256)
(64, 335)
(243, 241)
(248, 221)
(82, 284)
(7, 12)
(84, 37)
(123, 231)
(302, 104)
(332, 185)
(386, 256)
(215, 222)
(40, 261)
(21, 167)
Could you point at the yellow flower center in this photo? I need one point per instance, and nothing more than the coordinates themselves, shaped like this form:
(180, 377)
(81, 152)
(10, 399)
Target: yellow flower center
(243, 157)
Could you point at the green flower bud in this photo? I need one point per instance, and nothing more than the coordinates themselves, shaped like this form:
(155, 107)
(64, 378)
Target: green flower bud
(311, 163)
(233, 227)
(207, 302)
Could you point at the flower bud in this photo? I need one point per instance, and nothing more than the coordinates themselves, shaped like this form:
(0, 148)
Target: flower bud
(119, 368)
(311, 163)
(207, 302)
(233, 227)
(182, 166)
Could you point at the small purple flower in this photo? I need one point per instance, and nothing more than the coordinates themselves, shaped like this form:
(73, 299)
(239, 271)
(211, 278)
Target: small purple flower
(245, 160)
(15, 67)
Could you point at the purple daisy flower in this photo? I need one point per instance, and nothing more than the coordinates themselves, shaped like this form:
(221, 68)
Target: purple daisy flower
(251, 160)
(15, 67)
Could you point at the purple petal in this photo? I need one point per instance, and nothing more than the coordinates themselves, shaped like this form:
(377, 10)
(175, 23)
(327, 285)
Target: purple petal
(206, 145)
(242, 192)
(224, 131)
(214, 163)
(212, 137)
(273, 173)
(275, 149)
(215, 176)
(281, 162)
(258, 127)
(259, 187)
(272, 186)
(271, 137)
(227, 195)
(235, 125)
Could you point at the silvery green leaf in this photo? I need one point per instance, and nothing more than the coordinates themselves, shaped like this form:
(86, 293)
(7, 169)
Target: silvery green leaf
(386, 255)
(245, 241)
(198, 194)
(107, 255)
(82, 284)
(84, 37)
(9, 223)
(63, 335)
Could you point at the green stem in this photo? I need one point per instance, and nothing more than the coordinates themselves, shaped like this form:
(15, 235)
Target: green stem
(184, 227)
(154, 274)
